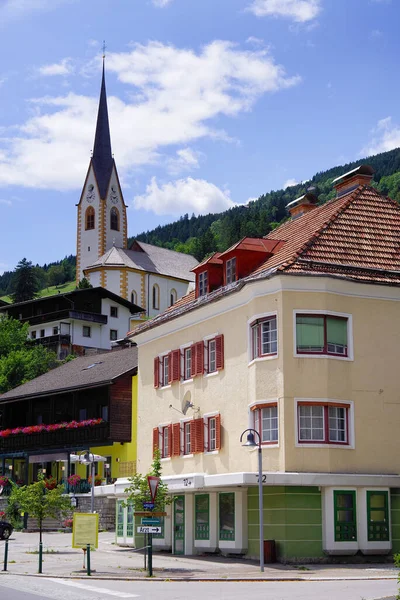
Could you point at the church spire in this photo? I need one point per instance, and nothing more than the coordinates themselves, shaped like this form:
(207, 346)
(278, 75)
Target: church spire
(102, 156)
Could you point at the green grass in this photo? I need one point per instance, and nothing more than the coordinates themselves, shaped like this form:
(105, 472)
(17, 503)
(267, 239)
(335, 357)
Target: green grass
(69, 286)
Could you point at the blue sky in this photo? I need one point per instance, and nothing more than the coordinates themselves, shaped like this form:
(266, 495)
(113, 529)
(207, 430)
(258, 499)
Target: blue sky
(211, 102)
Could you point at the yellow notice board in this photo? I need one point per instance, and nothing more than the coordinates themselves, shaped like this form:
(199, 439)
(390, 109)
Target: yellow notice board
(85, 530)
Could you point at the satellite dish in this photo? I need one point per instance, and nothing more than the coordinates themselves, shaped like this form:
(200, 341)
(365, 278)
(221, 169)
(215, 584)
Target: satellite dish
(186, 402)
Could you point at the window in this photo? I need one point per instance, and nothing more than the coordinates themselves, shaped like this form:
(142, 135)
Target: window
(202, 517)
(186, 438)
(156, 297)
(42, 332)
(266, 422)
(165, 447)
(345, 516)
(165, 370)
(104, 413)
(227, 516)
(212, 432)
(264, 337)
(378, 516)
(89, 218)
(231, 270)
(323, 423)
(173, 297)
(321, 334)
(86, 331)
(113, 334)
(214, 354)
(114, 311)
(33, 335)
(82, 414)
(114, 219)
(187, 363)
(203, 283)
(55, 330)
(133, 297)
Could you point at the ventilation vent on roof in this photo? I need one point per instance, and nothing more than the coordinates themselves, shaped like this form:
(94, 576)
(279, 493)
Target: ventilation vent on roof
(93, 365)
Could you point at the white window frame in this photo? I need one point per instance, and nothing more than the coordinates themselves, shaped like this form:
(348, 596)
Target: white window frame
(265, 404)
(206, 341)
(230, 271)
(254, 318)
(182, 350)
(183, 423)
(206, 418)
(203, 283)
(161, 357)
(350, 345)
(349, 404)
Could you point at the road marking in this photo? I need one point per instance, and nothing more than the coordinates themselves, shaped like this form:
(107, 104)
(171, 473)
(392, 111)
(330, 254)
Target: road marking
(92, 588)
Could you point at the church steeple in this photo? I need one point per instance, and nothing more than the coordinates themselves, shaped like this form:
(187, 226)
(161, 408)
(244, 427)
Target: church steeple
(102, 156)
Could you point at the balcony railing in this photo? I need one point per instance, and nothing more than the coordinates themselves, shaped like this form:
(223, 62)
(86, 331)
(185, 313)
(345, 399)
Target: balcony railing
(64, 314)
(55, 439)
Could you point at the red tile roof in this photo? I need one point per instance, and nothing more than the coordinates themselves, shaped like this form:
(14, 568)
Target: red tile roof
(356, 236)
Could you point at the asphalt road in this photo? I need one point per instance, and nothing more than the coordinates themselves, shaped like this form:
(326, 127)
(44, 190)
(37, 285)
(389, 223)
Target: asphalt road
(18, 587)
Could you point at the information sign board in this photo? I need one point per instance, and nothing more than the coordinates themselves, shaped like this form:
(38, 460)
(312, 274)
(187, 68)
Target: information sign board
(151, 521)
(142, 529)
(85, 530)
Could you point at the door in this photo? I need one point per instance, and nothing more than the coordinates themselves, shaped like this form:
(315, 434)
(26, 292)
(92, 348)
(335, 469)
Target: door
(179, 525)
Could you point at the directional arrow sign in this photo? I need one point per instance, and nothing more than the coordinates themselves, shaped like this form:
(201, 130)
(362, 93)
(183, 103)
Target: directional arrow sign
(149, 529)
(153, 485)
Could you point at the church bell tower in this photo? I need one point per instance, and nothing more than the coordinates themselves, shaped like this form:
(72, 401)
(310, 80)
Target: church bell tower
(102, 221)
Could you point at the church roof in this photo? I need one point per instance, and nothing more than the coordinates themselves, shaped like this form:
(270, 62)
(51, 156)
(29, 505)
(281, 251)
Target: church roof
(102, 158)
(151, 259)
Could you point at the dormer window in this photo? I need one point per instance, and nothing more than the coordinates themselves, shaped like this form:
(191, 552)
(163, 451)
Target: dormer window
(203, 283)
(231, 270)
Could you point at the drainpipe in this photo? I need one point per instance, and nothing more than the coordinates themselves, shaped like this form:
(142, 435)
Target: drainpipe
(148, 295)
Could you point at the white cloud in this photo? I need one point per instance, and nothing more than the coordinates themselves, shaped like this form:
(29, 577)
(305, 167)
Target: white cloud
(182, 196)
(185, 159)
(177, 96)
(11, 10)
(62, 68)
(298, 10)
(385, 136)
(161, 3)
(290, 183)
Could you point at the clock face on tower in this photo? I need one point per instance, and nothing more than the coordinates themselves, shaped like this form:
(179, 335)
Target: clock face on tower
(114, 195)
(90, 193)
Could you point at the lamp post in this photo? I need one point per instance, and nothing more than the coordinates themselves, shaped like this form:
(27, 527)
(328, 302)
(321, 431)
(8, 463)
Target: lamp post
(251, 443)
(88, 459)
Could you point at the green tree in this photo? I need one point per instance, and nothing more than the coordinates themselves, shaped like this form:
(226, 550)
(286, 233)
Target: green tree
(20, 359)
(139, 492)
(84, 284)
(24, 283)
(56, 275)
(40, 502)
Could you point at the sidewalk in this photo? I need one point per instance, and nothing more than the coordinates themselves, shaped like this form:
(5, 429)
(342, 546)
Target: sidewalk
(112, 562)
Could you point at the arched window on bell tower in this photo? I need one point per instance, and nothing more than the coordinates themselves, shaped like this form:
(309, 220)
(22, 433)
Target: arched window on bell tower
(134, 297)
(114, 219)
(156, 297)
(89, 218)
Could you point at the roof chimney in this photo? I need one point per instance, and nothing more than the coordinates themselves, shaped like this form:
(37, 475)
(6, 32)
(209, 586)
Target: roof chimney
(348, 182)
(302, 205)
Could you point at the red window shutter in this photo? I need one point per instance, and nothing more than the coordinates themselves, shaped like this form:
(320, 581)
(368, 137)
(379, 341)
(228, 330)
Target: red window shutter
(155, 440)
(176, 439)
(174, 366)
(197, 435)
(219, 352)
(170, 368)
(199, 360)
(156, 372)
(218, 432)
(169, 440)
(193, 363)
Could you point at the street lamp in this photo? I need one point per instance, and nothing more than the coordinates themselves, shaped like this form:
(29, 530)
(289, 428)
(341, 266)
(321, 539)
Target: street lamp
(88, 459)
(251, 443)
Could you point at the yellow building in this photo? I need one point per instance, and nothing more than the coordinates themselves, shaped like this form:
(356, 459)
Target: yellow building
(294, 336)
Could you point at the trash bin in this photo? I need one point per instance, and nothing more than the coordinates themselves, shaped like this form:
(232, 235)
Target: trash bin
(269, 551)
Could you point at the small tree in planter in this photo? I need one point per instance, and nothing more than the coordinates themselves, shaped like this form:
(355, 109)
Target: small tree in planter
(40, 502)
(139, 492)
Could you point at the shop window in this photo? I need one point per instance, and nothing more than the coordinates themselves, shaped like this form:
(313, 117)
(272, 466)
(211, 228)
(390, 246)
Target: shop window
(202, 517)
(227, 516)
(378, 516)
(130, 520)
(345, 516)
(120, 518)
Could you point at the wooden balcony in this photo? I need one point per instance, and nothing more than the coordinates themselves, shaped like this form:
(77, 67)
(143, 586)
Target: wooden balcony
(62, 438)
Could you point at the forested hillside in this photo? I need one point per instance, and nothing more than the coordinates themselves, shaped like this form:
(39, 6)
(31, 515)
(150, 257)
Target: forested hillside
(204, 234)
(208, 233)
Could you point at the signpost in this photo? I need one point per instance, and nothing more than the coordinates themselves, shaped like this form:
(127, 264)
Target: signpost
(142, 529)
(151, 521)
(153, 486)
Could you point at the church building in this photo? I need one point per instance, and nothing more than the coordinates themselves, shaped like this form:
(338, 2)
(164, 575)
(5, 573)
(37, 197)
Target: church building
(151, 277)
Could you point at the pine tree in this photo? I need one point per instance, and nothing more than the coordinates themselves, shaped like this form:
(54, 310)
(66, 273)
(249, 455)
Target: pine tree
(24, 282)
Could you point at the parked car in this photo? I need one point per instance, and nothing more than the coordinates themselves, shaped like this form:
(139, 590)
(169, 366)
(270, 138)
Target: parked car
(6, 530)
